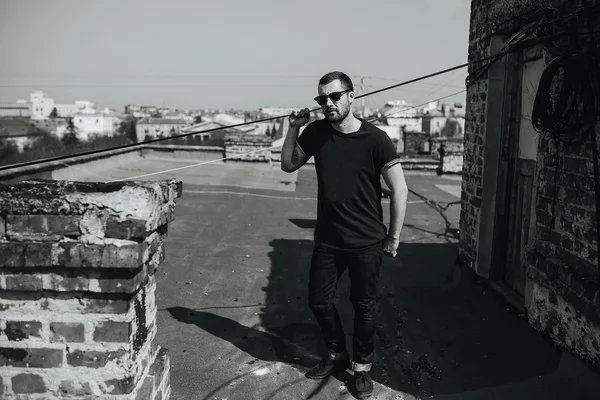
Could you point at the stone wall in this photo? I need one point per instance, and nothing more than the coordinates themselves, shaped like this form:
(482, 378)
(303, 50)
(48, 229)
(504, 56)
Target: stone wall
(453, 158)
(248, 148)
(77, 289)
(562, 296)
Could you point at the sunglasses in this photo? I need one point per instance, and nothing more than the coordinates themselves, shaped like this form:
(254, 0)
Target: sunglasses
(334, 96)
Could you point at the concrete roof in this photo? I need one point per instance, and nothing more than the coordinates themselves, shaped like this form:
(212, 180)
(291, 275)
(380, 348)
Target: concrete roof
(232, 297)
(161, 121)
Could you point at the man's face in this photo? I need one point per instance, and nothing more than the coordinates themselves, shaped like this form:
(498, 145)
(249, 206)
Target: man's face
(336, 111)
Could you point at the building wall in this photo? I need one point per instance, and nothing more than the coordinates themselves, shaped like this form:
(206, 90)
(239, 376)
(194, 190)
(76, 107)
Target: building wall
(41, 106)
(14, 110)
(94, 124)
(562, 297)
(411, 124)
(156, 130)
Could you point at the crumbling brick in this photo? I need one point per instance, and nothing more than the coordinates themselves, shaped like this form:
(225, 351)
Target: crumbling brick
(41, 227)
(67, 332)
(28, 383)
(94, 359)
(111, 331)
(82, 256)
(73, 388)
(30, 357)
(20, 330)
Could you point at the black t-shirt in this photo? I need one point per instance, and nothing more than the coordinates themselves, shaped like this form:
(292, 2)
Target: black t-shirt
(349, 166)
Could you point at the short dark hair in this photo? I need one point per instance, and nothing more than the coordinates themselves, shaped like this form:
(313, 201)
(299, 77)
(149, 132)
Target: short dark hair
(335, 75)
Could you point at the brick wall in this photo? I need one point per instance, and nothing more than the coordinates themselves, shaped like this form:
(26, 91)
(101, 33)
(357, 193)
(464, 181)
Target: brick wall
(248, 148)
(562, 298)
(77, 289)
(488, 18)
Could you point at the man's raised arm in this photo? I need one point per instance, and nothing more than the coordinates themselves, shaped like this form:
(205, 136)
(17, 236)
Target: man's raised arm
(292, 155)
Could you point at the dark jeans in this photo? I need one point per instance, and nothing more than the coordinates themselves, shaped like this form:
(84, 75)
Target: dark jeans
(327, 266)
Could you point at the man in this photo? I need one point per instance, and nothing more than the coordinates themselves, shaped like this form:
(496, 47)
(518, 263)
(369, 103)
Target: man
(350, 157)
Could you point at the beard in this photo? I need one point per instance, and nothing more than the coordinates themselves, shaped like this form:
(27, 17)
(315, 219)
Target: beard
(337, 115)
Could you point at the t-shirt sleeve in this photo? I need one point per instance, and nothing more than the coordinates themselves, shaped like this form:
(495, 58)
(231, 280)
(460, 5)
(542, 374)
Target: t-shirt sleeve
(307, 141)
(385, 154)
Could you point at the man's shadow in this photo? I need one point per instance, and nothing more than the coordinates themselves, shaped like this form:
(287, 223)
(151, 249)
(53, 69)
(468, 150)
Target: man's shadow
(297, 344)
(431, 339)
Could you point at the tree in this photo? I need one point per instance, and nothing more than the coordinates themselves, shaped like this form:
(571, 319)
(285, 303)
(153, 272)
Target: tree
(70, 138)
(450, 128)
(9, 152)
(128, 128)
(54, 113)
(197, 119)
(274, 131)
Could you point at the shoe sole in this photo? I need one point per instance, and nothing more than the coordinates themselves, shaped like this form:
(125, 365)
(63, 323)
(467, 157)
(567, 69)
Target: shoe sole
(364, 395)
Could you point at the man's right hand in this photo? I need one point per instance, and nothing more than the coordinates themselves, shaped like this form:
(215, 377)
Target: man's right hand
(299, 118)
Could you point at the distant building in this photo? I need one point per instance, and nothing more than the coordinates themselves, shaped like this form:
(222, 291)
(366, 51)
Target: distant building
(158, 127)
(19, 131)
(178, 115)
(444, 120)
(394, 132)
(41, 106)
(201, 127)
(18, 109)
(400, 113)
(275, 111)
(90, 125)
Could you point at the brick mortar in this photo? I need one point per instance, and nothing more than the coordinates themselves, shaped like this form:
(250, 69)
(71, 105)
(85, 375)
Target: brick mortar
(111, 336)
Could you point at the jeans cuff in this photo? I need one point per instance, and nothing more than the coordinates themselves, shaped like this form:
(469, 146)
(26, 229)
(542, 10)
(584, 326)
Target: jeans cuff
(338, 356)
(357, 367)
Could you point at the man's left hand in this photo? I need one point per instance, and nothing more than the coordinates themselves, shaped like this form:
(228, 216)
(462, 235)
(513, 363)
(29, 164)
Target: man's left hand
(390, 246)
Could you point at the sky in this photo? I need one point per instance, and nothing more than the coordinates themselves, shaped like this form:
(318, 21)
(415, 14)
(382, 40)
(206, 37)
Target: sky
(229, 54)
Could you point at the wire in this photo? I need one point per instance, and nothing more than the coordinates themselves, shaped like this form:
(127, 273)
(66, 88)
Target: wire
(244, 154)
(134, 145)
(156, 76)
(516, 38)
(191, 166)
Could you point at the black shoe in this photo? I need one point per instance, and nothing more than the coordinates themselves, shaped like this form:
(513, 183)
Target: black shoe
(363, 384)
(327, 367)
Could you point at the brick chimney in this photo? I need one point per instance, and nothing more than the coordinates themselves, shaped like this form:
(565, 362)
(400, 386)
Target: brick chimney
(77, 289)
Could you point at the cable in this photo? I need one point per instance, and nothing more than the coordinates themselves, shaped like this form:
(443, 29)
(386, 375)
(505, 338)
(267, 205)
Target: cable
(243, 154)
(516, 38)
(191, 166)
(157, 76)
(133, 145)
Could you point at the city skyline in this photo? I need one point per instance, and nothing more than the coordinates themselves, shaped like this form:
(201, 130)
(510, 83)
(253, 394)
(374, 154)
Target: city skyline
(246, 57)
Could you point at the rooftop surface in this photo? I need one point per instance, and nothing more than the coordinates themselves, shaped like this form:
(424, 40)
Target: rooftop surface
(232, 297)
